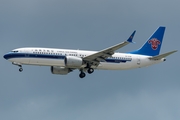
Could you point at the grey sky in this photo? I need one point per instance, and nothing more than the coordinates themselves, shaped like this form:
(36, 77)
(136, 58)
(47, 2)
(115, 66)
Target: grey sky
(147, 93)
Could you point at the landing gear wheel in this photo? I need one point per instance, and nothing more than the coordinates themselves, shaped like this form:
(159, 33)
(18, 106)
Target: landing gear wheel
(82, 75)
(20, 69)
(90, 70)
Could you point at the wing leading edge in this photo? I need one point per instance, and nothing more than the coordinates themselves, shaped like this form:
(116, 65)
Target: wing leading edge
(95, 58)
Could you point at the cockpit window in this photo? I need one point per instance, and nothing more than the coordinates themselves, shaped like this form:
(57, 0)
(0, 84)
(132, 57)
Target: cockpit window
(14, 51)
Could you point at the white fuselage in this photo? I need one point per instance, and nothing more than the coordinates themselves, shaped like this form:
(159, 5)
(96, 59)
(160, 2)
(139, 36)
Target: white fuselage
(55, 57)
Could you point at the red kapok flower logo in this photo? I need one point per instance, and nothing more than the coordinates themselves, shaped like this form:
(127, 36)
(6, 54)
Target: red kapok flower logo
(154, 43)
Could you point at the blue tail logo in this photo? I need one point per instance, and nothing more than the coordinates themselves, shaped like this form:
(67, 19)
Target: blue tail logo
(154, 43)
(152, 46)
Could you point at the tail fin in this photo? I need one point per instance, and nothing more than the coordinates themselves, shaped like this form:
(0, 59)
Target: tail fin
(153, 44)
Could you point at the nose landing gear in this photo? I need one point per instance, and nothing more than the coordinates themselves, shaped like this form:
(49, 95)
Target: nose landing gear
(20, 69)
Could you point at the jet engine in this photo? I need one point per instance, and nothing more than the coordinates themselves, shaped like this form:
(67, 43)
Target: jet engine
(60, 70)
(73, 62)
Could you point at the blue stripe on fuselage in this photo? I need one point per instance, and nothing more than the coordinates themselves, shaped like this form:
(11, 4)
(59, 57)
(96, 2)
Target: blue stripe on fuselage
(23, 55)
(116, 60)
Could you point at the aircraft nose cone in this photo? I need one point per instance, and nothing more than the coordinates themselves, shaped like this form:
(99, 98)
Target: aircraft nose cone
(6, 56)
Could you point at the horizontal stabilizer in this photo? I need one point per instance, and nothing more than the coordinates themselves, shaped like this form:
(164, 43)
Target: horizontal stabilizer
(158, 57)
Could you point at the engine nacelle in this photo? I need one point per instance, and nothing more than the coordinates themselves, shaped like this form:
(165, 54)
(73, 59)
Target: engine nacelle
(73, 62)
(59, 70)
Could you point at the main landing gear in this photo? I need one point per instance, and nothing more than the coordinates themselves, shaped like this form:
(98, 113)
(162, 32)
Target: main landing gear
(82, 74)
(90, 70)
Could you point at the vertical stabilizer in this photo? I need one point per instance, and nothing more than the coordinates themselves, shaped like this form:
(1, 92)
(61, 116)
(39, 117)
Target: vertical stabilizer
(153, 44)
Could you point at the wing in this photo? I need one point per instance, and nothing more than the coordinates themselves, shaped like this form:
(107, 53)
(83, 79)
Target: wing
(95, 58)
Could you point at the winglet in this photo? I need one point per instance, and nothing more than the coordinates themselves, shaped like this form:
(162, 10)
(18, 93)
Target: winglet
(131, 37)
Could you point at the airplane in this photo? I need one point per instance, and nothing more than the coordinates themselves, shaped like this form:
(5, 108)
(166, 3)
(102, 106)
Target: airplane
(64, 61)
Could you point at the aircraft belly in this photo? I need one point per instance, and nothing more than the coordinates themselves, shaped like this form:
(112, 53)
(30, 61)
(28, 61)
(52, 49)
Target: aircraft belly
(20, 60)
(38, 61)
